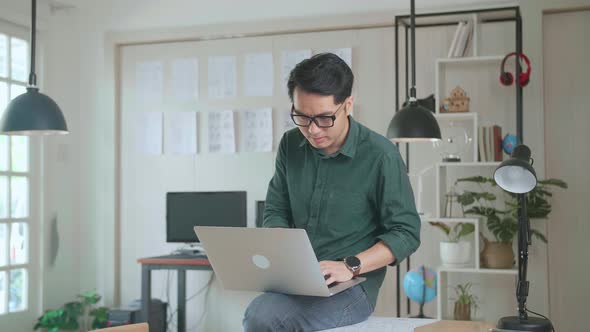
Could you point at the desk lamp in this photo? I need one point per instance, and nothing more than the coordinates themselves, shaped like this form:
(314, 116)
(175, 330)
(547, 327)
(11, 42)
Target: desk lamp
(517, 175)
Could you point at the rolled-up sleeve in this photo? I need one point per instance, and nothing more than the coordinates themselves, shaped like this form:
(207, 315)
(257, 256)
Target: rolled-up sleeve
(397, 210)
(277, 208)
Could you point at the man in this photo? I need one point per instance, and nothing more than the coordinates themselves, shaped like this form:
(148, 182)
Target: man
(347, 187)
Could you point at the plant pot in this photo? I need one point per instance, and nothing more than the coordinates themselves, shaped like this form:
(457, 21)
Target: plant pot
(497, 255)
(455, 254)
(462, 311)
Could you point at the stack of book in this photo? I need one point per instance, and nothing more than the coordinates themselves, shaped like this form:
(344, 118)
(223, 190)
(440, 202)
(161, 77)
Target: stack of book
(462, 40)
(489, 143)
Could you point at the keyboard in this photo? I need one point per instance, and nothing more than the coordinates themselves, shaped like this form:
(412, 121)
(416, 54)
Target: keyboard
(185, 256)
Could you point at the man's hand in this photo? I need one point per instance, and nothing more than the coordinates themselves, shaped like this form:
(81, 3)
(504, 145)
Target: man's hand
(337, 271)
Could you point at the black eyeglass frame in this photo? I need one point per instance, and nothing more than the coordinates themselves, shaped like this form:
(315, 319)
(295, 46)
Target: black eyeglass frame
(313, 118)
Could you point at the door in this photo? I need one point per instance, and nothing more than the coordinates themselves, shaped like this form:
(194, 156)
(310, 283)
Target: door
(566, 51)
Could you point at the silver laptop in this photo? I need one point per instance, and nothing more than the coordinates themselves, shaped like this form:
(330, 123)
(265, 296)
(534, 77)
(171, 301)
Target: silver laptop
(277, 260)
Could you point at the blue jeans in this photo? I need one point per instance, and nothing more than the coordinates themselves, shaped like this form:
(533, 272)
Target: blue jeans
(281, 312)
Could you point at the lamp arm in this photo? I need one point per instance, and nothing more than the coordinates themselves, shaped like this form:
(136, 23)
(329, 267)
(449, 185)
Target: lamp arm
(524, 240)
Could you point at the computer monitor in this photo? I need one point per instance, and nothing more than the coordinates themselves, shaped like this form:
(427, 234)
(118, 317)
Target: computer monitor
(184, 210)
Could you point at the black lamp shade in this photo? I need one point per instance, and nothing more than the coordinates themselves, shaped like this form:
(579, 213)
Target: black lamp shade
(517, 175)
(33, 113)
(413, 123)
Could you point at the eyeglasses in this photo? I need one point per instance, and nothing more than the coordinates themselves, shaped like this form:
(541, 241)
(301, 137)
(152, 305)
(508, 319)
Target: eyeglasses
(322, 121)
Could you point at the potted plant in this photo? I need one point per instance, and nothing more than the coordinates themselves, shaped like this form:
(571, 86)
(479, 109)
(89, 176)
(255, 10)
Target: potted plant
(454, 252)
(503, 223)
(80, 315)
(465, 300)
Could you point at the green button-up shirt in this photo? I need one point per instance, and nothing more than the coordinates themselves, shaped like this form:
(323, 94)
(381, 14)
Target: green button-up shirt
(347, 201)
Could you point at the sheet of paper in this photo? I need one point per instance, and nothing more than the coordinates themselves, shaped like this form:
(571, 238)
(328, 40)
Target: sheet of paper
(148, 82)
(180, 133)
(222, 77)
(221, 132)
(185, 79)
(148, 132)
(344, 54)
(258, 130)
(385, 324)
(288, 61)
(258, 74)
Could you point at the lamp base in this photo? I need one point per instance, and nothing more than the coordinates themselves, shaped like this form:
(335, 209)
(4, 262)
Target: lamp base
(535, 324)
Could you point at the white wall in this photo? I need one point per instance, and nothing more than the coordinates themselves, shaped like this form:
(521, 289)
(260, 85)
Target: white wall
(80, 177)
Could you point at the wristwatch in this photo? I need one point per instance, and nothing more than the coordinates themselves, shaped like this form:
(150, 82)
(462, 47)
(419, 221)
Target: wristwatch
(353, 264)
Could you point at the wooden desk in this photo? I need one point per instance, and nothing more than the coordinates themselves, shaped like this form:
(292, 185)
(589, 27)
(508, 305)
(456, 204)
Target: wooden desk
(180, 263)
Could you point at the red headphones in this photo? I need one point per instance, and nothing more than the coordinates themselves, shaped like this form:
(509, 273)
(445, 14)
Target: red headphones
(506, 78)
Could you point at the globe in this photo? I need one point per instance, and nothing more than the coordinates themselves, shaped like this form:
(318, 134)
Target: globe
(509, 143)
(416, 286)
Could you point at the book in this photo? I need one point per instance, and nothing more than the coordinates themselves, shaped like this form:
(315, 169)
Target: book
(462, 40)
(497, 138)
(456, 50)
(454, 41)
(480, 145)
(490, 143)
(468, 39)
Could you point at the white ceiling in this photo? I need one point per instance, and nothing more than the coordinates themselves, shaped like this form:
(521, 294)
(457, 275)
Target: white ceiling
(224, 11)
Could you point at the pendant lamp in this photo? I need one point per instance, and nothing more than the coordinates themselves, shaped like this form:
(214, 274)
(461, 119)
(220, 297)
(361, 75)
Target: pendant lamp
(413, 123)
(33, 113)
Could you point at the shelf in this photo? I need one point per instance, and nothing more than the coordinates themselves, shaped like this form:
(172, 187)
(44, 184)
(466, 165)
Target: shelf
(450, 220)
(478, 75)
(456, 116)
(472, 59)
(480, 270)
(469, 164)
(452, 17)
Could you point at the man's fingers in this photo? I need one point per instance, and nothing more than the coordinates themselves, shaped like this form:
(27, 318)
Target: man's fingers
(330, 280)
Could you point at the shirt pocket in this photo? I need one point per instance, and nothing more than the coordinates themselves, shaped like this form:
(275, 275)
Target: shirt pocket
(346, 211)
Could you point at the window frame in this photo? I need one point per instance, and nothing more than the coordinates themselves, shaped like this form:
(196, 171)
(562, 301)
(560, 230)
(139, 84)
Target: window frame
(33, 220)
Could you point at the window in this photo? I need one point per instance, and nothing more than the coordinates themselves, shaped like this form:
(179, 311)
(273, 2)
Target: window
(15, 183)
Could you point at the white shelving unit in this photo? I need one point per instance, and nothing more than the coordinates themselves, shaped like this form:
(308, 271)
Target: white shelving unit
(444, 172)
(470, 70)
(490, 103)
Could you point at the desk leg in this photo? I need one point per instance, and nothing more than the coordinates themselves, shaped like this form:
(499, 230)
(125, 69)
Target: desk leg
(181, 300)
(146, 283)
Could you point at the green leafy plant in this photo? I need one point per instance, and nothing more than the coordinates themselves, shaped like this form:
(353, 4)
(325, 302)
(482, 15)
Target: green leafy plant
(455, 233)
(503, 223)
(464, 295)
(80, 315)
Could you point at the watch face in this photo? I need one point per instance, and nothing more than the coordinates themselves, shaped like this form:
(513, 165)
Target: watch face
(353, 261)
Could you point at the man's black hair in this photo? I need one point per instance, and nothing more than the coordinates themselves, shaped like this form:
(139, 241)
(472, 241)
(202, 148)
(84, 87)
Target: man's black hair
(325, 74)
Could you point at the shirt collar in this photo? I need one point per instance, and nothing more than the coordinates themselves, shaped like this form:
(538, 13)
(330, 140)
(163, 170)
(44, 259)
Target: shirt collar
(349, 147)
